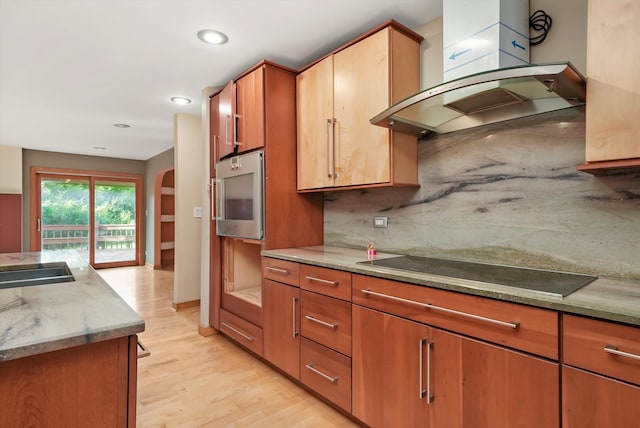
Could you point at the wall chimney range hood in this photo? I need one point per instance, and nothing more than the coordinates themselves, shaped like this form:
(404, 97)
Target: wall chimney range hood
(487, 97)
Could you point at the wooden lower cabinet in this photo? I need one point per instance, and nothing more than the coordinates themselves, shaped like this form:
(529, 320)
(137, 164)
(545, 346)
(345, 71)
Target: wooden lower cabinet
(281, 324)
(92, 385)
(411, 375)
(593, 401)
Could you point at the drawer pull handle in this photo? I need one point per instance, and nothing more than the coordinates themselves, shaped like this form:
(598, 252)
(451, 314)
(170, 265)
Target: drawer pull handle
(322, 281)
(614, 350)
(235, 330)
(275, 269)
(333, 379)
(324, 323)
(513, 325)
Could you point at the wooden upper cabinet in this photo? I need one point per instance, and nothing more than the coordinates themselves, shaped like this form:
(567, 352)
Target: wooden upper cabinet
(337, 145)
(250, 100)
(613, 88)
(225, 120)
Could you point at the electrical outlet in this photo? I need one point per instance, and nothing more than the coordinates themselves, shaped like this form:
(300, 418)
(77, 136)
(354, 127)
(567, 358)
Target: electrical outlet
(380, 222)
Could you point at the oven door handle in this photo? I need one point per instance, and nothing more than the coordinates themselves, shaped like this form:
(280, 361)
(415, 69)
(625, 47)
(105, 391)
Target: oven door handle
(218, 189)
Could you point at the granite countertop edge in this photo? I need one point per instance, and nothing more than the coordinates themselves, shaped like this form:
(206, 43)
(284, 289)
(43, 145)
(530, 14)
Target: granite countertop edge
(51, 317)
(605, 298)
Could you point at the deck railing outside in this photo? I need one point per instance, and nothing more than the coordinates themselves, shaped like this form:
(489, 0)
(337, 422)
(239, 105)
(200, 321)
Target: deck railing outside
(74, 236)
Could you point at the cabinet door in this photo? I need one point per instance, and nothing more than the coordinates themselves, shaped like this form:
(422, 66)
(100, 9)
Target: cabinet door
(486, 386)
(612, 125)
(389, 370)
(315, 125)
(593, 401)
(250, 111)
(361, 91)
(281, 304)
(226, 119)
(214, 128)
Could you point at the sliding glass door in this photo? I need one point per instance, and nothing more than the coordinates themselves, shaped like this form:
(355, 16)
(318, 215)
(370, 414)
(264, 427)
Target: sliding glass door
(94, 216)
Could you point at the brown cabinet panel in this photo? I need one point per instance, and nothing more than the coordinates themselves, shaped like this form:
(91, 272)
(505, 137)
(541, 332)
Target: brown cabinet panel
(535, 331)
(592, 344)
(241, 331)
(281, 309)
(46, 389)
(226, 120)
(593, 401)
(281, 271)
(326, 372)
(389, 370)
(327, 321)
(250, 103)
(331, 282)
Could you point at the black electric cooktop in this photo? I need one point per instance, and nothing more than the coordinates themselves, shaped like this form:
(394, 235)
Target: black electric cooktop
(550, 282)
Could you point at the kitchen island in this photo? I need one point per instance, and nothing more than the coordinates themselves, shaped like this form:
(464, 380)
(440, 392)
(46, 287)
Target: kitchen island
(68, 350)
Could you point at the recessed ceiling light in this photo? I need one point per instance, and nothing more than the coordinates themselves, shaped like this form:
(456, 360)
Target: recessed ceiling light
(121, 125)
(181, 100)
(213, 37)
(99, 148)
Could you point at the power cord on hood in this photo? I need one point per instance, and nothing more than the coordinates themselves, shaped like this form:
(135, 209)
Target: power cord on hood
(539, 21)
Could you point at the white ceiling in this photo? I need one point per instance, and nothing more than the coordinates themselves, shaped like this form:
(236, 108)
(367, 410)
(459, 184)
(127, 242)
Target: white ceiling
(70, 69)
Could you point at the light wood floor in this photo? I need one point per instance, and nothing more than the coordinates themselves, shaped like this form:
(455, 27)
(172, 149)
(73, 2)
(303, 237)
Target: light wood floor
(194, 381)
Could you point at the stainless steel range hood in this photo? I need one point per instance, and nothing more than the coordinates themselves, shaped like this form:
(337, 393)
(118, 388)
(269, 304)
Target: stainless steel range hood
(487, 97)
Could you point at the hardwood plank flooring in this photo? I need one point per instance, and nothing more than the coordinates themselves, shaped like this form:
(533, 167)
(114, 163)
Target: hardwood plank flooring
(194, 381)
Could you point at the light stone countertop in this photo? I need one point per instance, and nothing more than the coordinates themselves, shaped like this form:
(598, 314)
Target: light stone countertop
(605, 298)
(57, 316)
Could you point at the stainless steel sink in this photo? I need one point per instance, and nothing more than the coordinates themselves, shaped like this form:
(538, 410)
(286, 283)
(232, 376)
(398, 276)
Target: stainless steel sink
(34, 274)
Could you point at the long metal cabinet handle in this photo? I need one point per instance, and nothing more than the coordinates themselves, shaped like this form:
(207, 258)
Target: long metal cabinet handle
(614, 350)
(219, 184)
(235, 330)
(324, 323)
(333, 147)
(513, 325)
(295, 333)
(421, 390)
(227, 119)
(329, 127)
(213, 199)
(236, 118)
(429, 395)
(279, 270)
(323, 281)
(143, 350)
(333, 379)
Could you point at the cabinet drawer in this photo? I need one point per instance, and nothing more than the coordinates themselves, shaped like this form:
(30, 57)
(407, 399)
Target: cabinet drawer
(326, 320)
(510, 324)
(281, 271)
(243, 332)
(600, 346)
(334, 283)
(327, 372)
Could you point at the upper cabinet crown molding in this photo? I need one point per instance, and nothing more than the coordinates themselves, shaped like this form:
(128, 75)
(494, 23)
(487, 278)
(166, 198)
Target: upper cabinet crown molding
(613, 87)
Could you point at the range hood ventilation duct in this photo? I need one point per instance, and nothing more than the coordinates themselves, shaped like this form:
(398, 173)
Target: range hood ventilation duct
(488, 78)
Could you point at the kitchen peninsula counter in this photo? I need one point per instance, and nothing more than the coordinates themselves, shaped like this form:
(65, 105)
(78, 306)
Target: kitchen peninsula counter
(52, 317)
(605, 298)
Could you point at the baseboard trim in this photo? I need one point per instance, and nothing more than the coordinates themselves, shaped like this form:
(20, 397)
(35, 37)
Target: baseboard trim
(149, 265)
(207, 331)
(185, 305)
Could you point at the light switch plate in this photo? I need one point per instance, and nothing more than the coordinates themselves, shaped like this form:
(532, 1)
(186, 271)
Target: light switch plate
(197, 212)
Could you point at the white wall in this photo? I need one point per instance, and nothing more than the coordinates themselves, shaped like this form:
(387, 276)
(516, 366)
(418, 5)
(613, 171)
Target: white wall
(10, 170)
(188, 185)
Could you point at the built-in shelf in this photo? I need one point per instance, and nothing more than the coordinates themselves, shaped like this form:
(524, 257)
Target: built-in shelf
(167, 218)
(167, 191)
(164, 220)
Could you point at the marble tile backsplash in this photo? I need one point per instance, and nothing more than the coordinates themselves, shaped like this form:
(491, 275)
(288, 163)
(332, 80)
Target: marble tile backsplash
(506, 193)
